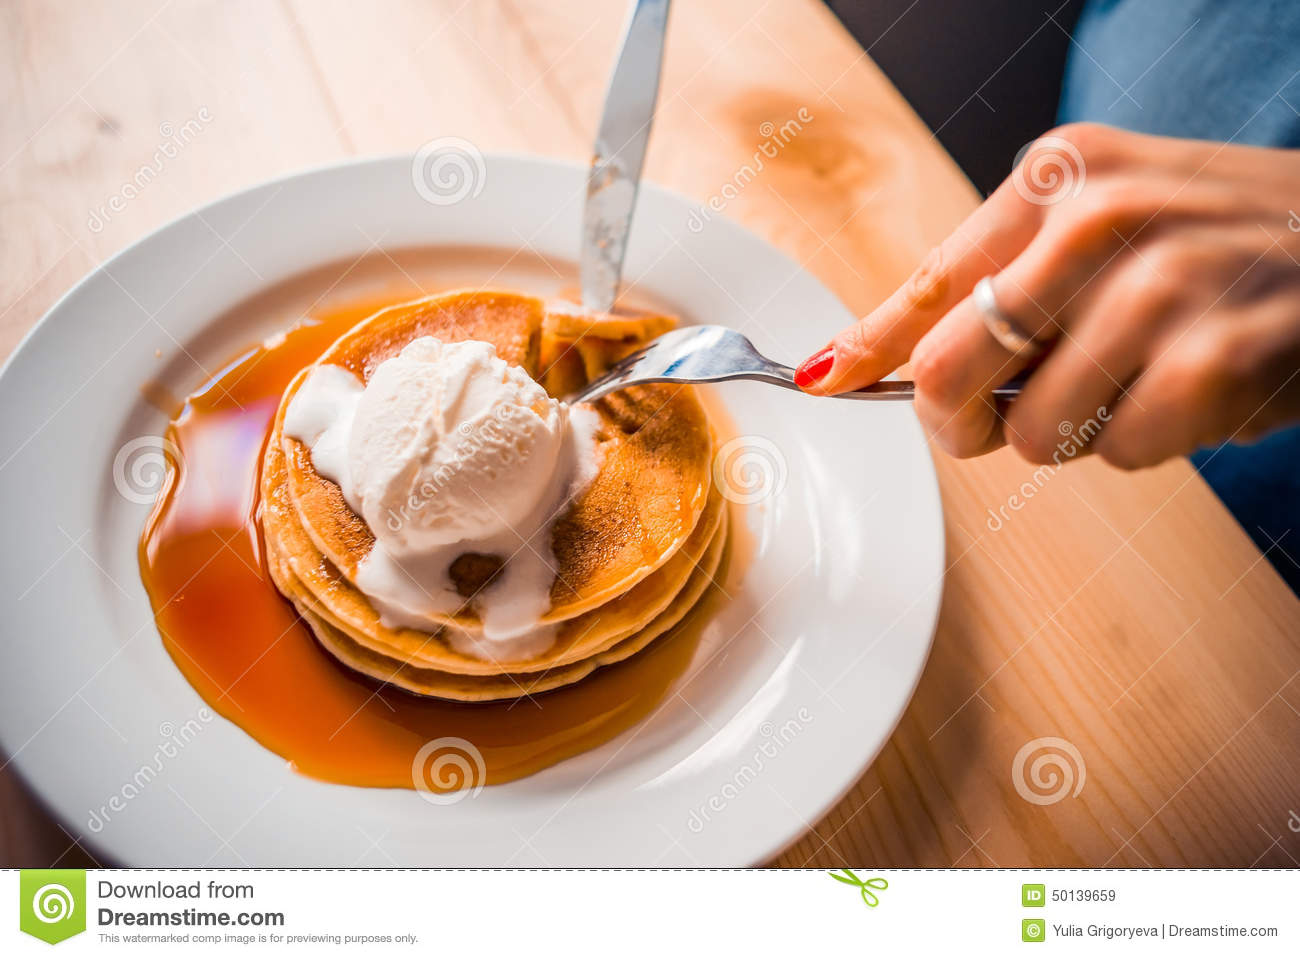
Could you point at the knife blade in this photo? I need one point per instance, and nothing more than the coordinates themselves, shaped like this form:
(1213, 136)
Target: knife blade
(619, 153)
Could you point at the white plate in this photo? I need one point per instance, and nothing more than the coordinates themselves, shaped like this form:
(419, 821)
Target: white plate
(826, 641)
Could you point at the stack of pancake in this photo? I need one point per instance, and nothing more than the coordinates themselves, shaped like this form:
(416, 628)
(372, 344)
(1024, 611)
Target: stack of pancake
(633, 552)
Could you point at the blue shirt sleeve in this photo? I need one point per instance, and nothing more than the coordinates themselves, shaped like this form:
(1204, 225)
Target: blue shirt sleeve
(1225, 70)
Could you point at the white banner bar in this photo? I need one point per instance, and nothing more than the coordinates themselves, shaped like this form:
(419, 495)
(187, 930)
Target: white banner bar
(971, 912)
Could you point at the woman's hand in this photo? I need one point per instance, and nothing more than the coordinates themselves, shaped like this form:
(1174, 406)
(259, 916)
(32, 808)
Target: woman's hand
(1162, 275)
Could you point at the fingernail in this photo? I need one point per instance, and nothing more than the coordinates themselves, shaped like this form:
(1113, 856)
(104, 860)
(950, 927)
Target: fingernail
(815, 367)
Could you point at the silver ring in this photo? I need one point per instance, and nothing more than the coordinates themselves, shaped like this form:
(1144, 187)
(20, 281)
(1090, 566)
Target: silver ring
(1002, 327)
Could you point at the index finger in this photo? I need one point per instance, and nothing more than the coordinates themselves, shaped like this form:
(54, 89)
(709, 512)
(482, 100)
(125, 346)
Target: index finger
(990, 238)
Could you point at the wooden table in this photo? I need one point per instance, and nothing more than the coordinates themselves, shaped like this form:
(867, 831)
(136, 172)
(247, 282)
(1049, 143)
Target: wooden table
(1127, 615)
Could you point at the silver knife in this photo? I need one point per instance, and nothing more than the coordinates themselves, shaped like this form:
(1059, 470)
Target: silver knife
(619, 153)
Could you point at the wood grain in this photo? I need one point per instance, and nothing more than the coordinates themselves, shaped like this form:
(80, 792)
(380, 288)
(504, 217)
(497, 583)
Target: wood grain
(1125, 614)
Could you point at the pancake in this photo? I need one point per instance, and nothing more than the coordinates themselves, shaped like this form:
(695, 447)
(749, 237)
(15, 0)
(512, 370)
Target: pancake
(655, 448)
(577, 347)
(634, 552)
(467, 688)
(509, 321)
(334, 597)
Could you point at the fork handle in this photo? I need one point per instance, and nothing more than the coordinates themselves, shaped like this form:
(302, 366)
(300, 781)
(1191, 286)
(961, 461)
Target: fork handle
(905, 390)
(898, 390)
(765, 371)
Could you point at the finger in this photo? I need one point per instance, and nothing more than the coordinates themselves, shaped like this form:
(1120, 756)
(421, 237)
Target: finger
(959, 362)
(1143, 430)
(971, 430)
(1038, 291)
(1071, 398)
(880, 342)
(1186, 397)
(1065, 406)
(955, 406)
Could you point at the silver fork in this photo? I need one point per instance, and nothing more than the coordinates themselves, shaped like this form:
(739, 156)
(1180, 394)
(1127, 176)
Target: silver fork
(715, 354)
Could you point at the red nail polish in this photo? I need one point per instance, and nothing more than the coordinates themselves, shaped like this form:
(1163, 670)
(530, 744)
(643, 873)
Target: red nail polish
(815, 367)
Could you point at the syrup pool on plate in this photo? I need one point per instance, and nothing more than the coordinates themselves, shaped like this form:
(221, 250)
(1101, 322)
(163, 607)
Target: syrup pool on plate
(244, 649)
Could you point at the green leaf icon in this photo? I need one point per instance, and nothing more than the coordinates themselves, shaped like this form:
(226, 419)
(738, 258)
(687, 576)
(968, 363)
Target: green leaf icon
(52, 903)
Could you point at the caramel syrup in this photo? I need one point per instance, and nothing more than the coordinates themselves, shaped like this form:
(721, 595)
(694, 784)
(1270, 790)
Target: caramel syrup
(244, 649)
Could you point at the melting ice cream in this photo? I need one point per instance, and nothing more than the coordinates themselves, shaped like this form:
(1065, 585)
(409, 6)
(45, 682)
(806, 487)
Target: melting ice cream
(449, 450)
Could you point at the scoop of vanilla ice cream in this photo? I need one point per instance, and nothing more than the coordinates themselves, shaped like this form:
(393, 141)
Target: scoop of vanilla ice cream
(451, 443)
